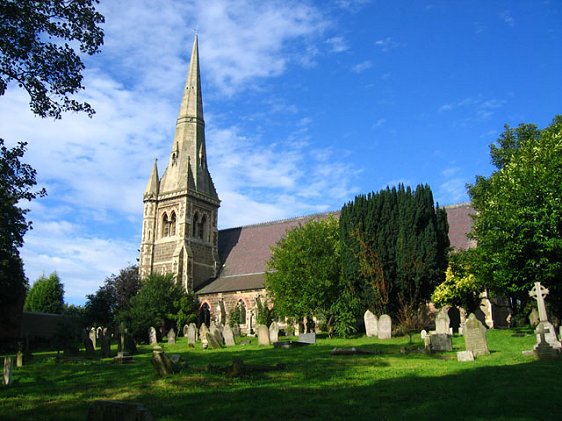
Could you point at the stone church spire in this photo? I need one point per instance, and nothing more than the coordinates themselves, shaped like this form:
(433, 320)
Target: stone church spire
(187, 166)
(180, 234)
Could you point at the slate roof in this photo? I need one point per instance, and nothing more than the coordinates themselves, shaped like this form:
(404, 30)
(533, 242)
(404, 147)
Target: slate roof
(244, 251)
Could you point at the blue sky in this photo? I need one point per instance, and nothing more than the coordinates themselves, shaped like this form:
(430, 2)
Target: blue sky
(307, 103)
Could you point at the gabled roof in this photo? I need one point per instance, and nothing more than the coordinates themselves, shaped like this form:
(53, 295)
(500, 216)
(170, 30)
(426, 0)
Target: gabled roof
(244, 251)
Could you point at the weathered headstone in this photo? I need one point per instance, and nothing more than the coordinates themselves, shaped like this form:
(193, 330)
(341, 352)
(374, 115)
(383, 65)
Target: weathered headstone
(442, 322)
(92, 335)
(19, 359)
(385, 327)
(263, 335)
(105, 343)
(161, 362)
(538, 292)
(441, 342)
(89, 346)
(203, 330)
(185, 327)
(464, 356)
(212, 341)
(273, 332)
(534, 317)
(371, 324)
(475, 336)
(307, 338)
(152, 336)
(117, 410)
(7, 373)
(228, 335)
(423, 334)
(216, 331)
(544, 327)
(171, 336)
(191, 335)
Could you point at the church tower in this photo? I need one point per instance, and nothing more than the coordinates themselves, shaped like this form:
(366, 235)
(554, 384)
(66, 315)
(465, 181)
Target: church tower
(179, 231)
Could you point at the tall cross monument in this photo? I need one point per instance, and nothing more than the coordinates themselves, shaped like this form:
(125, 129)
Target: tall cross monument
(179, 231)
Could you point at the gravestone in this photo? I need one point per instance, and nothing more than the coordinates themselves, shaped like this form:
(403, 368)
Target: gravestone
(89, 346)
(371, 324)
(273, 332)
(423, 334)
(152, 336)
(161, 362)
(171, 336)
(228, 335)
(184, 331)
(7, 373)
(118, 410)
(307, 338)
(475, 336)
(191, 335)
(216, 331)
(442, 323)
(263, 335)
(92, 336)
(464, 356)
(534, 317)
(544, 350)
(105, 343)
(212, 341)
(544, 327)
(441, 342)
(19, 359)
(385, 327)
(203, 330)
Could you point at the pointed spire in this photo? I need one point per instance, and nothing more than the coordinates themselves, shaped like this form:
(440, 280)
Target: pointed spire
(192, 101)
(152, 187)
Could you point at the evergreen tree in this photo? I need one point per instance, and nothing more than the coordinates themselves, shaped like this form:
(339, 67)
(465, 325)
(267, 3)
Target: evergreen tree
(46, 295)
(394, 247)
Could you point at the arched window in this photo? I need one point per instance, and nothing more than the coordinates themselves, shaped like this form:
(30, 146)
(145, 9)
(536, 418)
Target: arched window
(195, 224)
(203, 228)
(165, 226)
(242, 312)
(173, 223)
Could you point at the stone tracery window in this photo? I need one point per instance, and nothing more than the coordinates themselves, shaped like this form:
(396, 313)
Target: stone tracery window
(165, 225)
(173, 223)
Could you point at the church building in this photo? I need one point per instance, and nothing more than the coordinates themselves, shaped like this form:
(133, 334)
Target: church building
(180, 233)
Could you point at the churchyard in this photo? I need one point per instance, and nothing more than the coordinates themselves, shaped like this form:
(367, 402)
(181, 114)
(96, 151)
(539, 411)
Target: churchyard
(383, 379)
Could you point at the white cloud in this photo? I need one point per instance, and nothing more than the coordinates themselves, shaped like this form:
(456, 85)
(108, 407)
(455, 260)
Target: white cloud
(387, 44)
(361, 67)
(507, 17)
(337, 44)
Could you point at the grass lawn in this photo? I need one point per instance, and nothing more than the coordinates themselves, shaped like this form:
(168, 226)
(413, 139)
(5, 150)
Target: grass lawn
(314, 384)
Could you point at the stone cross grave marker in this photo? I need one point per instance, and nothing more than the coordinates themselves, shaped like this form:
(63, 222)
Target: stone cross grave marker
(371, 324)
(385, 327)
(92, 335)
(538, 292)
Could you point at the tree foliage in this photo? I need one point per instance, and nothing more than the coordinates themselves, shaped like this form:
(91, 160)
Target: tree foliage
(17, 180)
(46, 295)
(394, 247)
(303, 274)
(518, 224)
(40, 50)
(160, 302)
(461, 287)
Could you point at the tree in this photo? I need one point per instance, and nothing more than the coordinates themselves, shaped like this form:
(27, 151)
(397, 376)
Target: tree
(16, 183)
(518, 221)
(303, 274)
(160, 302)
(38, 50)
(394, 248)
(46, 295)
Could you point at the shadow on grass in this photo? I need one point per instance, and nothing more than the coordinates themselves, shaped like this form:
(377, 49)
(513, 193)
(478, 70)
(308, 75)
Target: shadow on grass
(314, 385)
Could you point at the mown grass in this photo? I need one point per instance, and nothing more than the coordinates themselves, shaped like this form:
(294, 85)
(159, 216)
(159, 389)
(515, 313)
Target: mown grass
(314, 384)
